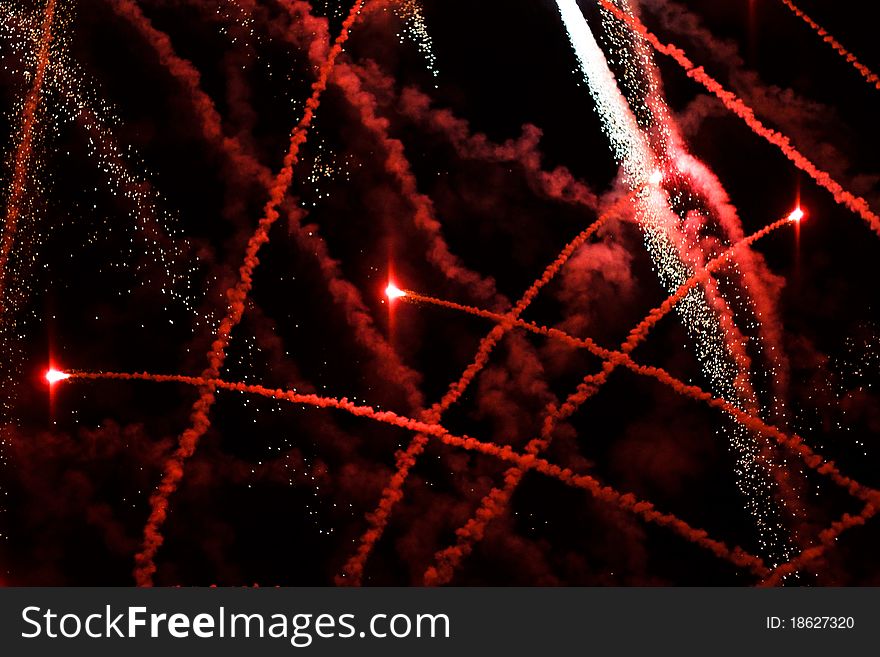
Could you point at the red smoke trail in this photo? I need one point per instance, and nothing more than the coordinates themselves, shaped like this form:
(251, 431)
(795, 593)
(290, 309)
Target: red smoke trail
(448, 559)
(867, 73)
(508, 319)
(237, 296)
(398, 167)
(640, 331)
(347, 78)
(793, 441)
(756, 276)
(827, 539)
(343, 292)
(557, 184)
(626, 501)
(560, 184)
(190, 78)
(22, 158)
(855, 203)
(393, 492)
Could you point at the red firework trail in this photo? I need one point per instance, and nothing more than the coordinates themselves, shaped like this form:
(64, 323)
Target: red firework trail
(398, 167)
(393, 492)
(793, 441)
(237, 296)
(641, 330)
(866, 73)
(348, 79)
(22, 159)
(827, 539)
(627, 501)
(730, 100)
(560, 184)
(343, 292)
(753, 270)
(183, 70)
(448, 559)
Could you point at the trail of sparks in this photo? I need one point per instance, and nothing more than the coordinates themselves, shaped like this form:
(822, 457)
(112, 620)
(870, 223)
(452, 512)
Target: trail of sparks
(393, 492)
(22, 158)
(695, 192)
(626, 501)
(698, 198)
(865, 72)
(237, 296)
(730, 100)
(642, 152)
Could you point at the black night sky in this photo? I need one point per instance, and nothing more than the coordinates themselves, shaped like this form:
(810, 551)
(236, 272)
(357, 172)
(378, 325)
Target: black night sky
(444, 156)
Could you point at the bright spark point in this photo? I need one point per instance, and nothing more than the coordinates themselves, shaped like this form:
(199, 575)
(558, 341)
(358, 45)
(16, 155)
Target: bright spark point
(796, 215)
(394, 292)
(53, 376)
(656, 177)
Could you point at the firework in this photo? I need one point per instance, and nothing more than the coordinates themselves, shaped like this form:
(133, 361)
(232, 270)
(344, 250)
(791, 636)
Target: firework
(625, 501)
(732, 102)
(393, 292)
(643, 142)
(866, 73)
(381, 190)
(54, 376)
(614, 358)
(393, 492)
(22, 158)
(237, 295)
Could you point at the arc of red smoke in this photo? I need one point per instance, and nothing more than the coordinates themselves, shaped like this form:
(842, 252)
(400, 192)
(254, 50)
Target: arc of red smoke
(865, 72)
(24, 149)
(352, 572)
(626, 501)
(736, 105)
(237, 296)
(448, 559)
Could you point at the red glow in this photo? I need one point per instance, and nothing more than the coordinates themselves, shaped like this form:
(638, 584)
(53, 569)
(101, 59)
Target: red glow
(797, 214)
(53, 376)
(393, 292)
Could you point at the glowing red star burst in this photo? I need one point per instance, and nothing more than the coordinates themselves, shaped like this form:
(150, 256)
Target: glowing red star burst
(393, 292)
(53, 376)
(797, 214)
